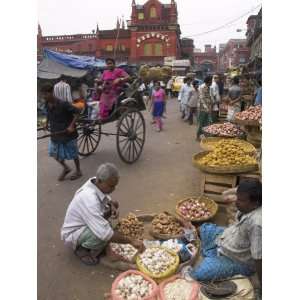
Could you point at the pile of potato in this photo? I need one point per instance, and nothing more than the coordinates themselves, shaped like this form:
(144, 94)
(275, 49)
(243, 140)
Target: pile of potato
(253, 113)
(226, 129)
(194, 209)
(131, 226)
(228, 153)
(166, 224)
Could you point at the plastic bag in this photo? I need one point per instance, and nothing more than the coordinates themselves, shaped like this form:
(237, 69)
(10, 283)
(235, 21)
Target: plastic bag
(152, 296)
(195, 287)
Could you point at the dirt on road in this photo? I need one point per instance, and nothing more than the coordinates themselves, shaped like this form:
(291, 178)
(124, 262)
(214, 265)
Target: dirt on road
(163, 175)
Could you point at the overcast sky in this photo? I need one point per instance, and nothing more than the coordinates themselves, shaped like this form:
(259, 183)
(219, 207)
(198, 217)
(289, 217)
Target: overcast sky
(58, 17)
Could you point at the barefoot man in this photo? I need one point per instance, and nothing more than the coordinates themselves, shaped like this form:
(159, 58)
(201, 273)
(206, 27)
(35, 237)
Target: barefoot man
(61, 116)
(86, 228)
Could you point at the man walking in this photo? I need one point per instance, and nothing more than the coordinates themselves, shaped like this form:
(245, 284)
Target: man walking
(61, 116)
(215, 96)
(62, 90)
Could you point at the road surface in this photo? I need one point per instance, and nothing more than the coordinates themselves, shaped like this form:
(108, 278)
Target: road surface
(163, 175)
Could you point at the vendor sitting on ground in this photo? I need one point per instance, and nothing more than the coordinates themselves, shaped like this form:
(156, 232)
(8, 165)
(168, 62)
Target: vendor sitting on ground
(86, 226)
(238, 248)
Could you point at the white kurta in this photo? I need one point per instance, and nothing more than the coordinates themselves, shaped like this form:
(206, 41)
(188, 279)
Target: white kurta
(87, 209)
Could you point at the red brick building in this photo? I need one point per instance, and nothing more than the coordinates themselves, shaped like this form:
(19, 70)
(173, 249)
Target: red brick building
(152, 33)
(233, 54)
(206, 61)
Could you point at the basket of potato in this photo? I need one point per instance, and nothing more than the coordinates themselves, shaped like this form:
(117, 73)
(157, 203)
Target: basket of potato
(226, 158)
(131, 226)
(210, 143)
(165, 226)
(197, 209)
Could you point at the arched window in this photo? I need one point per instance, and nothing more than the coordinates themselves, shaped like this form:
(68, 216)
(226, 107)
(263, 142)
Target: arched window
(153, 13)
(147, 50)
(158, 49)
(109, 48)
(141, 16)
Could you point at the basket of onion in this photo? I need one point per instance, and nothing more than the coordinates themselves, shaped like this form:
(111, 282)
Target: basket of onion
(197, 209)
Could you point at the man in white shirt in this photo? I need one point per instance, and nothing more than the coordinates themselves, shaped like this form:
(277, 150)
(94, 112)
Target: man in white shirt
(86, 227)
(62, 90)
(169, 88)
(215, 97)
(184, 96)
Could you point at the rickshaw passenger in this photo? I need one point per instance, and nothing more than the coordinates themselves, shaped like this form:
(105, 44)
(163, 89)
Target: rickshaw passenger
(112, 79)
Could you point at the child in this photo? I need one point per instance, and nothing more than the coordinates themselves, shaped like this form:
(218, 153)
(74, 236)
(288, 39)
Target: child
(157, 100)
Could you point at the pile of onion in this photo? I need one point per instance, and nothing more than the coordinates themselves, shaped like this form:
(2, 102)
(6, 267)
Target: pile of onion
(253, 113)
(193, 209)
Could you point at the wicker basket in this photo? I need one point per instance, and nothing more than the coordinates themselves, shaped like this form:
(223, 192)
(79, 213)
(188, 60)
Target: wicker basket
(207, 144)
(246, 122)
(207, 134)
(222, 169)
(211, 205)
(160, 236)
(158, 278)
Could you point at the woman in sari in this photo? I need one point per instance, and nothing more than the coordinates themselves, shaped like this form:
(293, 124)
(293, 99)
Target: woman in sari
(113, 78)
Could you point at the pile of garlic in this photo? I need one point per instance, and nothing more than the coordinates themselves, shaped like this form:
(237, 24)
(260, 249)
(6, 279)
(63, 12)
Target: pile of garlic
(126, 251)
(133, 287)
(157, 260)
(180, 289)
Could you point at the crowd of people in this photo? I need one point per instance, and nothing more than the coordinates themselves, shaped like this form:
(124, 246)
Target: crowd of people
(205, 102)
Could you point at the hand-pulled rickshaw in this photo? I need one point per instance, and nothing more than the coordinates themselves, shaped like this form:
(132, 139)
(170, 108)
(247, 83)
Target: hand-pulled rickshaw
(130, 129)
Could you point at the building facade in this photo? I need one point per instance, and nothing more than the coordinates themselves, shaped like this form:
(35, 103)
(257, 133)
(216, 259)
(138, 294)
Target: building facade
(254, 41)
(207, 61)
(234, 54)
(151, 34)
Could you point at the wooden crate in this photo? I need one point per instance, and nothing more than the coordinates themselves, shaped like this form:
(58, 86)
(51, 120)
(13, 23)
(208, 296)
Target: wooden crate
(213, 185)
(254, 175)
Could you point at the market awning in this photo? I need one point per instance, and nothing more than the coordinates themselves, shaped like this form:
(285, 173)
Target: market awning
(49, 69)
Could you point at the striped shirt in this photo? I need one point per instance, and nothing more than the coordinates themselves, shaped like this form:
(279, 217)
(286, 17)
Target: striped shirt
(62, 91)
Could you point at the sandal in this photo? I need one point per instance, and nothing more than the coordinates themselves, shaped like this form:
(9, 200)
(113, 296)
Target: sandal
(87, 259)
(76, 175)
(63, 175)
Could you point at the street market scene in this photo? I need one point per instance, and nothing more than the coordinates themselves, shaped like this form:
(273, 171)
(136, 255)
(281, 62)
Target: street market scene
(149, 141)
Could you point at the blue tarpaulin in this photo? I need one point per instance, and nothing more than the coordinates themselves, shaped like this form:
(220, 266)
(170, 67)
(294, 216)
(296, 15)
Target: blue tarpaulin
(74, 61)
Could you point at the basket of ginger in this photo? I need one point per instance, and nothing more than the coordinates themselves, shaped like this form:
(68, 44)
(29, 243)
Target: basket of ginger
(227, 157)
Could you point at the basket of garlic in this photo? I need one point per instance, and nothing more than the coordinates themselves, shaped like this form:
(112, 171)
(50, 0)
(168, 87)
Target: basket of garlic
(134, 285)
(177, 288)
(121, 252)
(158, 263)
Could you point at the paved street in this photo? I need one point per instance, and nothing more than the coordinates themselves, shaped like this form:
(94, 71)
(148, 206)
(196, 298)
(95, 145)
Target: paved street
(163, 175)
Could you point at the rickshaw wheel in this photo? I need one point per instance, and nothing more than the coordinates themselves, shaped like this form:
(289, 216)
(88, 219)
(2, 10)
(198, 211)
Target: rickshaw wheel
(131, 133)
(89, 136)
